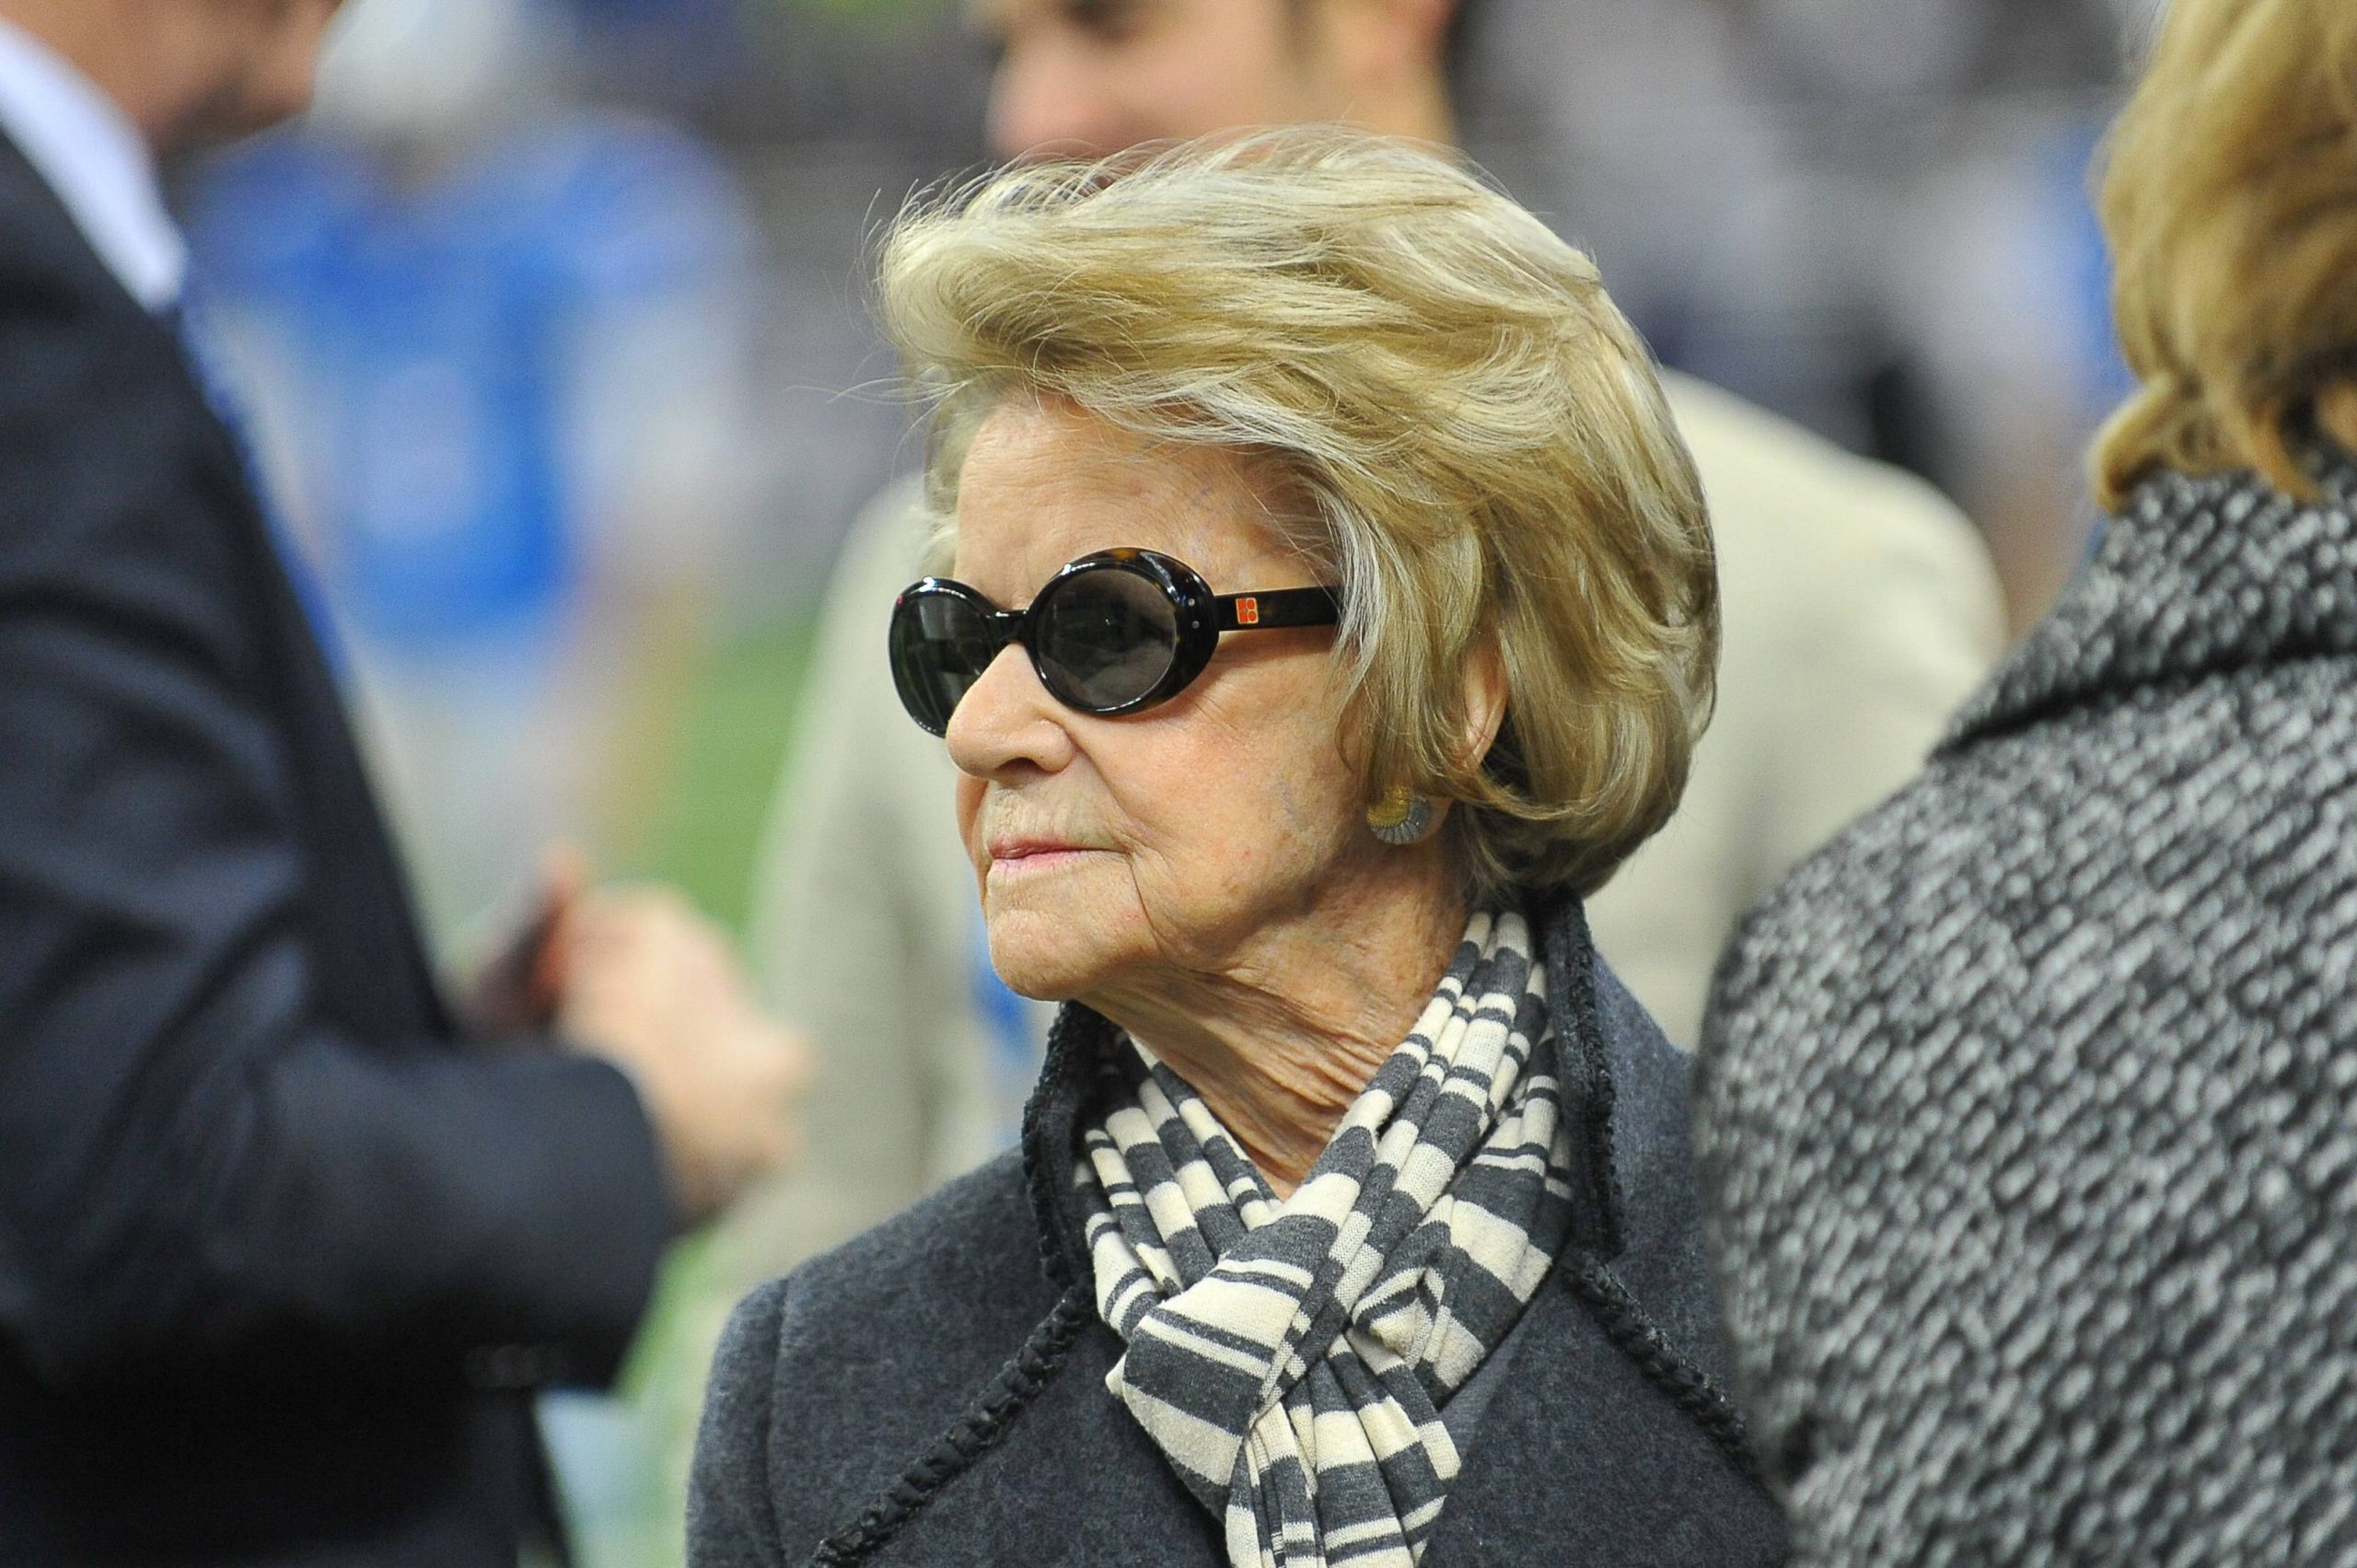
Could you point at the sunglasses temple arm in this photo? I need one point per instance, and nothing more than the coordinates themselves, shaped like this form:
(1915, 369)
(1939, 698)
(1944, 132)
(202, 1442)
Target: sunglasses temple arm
(1280, 606)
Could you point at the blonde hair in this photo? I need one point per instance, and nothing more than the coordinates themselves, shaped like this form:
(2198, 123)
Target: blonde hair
(2230, 201)
(1476, 437)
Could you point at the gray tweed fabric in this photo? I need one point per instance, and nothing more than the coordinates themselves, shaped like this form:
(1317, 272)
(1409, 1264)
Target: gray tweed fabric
(2028, 1110)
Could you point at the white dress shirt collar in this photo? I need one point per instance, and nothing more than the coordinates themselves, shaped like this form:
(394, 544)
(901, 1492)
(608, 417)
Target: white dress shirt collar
(95, 160)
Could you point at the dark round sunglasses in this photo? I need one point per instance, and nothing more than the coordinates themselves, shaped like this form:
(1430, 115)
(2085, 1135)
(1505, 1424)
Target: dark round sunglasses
(1111, 632)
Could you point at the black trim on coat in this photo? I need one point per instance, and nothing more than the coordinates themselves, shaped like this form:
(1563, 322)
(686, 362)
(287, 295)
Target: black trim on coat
(968, 1438)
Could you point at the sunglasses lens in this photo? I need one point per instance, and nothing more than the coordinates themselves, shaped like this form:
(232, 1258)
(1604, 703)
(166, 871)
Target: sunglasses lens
(1106, 638)
(940, 647)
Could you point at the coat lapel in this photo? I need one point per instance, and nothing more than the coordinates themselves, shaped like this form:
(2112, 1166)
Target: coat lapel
(1074, 1479)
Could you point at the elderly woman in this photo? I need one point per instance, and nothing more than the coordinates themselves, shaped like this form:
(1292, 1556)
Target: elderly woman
(1330, 608)
(2030, 1105)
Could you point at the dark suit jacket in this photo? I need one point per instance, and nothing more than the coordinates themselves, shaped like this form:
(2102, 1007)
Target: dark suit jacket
(278, 1258)
(933, 1394)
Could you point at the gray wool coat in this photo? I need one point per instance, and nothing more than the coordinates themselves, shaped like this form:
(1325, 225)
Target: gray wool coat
(933, 1393)
(2030, 1108)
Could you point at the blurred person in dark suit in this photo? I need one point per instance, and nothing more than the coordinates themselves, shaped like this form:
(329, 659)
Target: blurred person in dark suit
(281, 1259)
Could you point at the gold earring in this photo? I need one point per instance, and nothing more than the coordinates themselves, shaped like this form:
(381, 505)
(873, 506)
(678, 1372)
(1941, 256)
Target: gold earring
(1402, 816)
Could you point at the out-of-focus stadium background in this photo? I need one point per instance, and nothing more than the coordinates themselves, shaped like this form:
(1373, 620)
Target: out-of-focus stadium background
(549, 322)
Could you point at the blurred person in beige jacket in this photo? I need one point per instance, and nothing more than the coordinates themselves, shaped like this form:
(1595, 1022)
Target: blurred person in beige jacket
(1859, 605)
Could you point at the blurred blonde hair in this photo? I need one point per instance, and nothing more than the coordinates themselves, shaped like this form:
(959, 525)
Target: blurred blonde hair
(1474, 436)
(2230, 201)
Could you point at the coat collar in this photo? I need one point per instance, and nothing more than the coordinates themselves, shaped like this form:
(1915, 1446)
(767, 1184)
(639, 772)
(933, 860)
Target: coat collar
(2196, 577)
(1577, 1459)
(1078, 1076)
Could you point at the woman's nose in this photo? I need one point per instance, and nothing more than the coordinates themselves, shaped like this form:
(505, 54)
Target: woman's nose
(1007, 720)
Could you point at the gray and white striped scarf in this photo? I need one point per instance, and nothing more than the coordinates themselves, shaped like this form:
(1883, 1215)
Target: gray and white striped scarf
(1289, 1358)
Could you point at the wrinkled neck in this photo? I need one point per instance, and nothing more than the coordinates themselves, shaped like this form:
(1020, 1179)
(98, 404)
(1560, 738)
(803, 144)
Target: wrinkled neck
(1283, 1041)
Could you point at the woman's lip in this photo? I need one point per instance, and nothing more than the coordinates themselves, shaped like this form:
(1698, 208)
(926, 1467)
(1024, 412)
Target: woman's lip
(1030, 849)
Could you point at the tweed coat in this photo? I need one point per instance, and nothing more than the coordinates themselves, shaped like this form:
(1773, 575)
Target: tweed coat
(2028, 1110)
(933, 1393)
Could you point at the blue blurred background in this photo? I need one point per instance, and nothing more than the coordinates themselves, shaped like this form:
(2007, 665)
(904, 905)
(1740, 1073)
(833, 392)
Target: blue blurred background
(549, 321)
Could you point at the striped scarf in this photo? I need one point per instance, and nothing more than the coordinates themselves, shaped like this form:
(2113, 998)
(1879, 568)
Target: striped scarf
(1289, 1358)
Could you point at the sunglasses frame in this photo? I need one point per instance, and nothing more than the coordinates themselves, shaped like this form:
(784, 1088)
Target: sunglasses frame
(1200, 617)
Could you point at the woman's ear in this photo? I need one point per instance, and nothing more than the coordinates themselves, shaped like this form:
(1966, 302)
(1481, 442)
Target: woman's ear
(1484, 699)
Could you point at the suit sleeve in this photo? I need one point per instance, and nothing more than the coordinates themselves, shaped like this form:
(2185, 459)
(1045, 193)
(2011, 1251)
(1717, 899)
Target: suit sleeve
(192, 1164)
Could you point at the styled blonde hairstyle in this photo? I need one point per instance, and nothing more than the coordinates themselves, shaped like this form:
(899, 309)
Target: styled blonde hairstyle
(2230, 201)
(1471, 439)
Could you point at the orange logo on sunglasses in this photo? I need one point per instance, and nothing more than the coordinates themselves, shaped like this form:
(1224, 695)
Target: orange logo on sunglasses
(1248, 612)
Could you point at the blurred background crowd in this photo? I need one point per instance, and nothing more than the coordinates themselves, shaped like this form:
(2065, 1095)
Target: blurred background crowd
(549, 325)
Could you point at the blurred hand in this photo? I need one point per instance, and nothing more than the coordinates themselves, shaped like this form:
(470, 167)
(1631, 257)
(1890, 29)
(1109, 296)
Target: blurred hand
(652, 986)
(513, 982)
